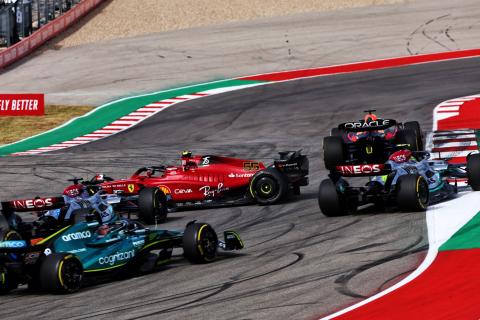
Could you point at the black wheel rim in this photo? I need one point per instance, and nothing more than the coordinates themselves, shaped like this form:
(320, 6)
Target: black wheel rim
(208, 242)
(71, 274)
(159, 209)
(266, 188)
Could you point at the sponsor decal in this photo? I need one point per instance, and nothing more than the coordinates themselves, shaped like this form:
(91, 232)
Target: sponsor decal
(165, 189)
(119, 256)
(182, 191)
(29, 104)
(131, 187)
(205, 161)
(251, 166)
(360, 169)
(287, 166)
(13, 244)
(33, 203)
(77, 236)
(370, 124)
(118, 185)
(209, 192)
(47, 252)
(240, 175)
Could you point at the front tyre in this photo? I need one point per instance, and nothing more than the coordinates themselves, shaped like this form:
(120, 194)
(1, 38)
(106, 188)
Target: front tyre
(473, 171)
(200, 243)
(152, 206)
(412, 193)
(61, 273)
(268, 186)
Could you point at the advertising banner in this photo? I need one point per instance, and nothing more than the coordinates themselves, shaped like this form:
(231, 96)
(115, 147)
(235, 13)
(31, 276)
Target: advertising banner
(25, 104)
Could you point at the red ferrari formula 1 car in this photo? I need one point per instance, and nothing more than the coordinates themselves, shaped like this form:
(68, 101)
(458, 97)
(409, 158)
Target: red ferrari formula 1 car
(206, 180)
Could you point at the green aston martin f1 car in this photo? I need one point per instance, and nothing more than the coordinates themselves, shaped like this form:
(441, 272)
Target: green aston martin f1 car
(61, 261)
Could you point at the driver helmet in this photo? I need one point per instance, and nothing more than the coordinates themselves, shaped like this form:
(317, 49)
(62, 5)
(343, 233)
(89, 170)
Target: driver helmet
(103, 230)
(370, 117)
(99, 177)
(186, 154)
(74, 191)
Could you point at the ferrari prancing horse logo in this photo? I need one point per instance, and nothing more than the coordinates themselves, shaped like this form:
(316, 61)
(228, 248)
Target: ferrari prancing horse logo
(131, 187)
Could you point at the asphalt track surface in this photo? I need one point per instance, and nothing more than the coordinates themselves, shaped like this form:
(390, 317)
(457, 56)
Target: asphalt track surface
(297, 263)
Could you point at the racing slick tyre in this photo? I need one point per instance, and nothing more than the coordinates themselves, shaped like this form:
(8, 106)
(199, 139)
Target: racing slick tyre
(329, 200)
(412, 193)
(335, 132)
(7, 281)
(268, 186)
(61, 273)
(333, 152)
(473, 171)
(5, 233)
(152, 206)
(415, 126)
(3, 224)
(409, 138)
(200, 243)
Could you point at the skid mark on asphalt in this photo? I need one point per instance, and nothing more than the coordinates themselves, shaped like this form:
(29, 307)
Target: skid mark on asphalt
(210, 290)
(436, 31)
(344, 280)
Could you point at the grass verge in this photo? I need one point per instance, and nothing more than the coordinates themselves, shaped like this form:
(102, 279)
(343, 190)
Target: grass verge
(16, 128)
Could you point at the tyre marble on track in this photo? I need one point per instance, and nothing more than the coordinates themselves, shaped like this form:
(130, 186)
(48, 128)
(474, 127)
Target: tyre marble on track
(296, 263)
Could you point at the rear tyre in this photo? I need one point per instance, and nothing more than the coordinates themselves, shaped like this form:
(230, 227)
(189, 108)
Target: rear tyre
(415, 126)
(408, 138)
(473, 171)
(333, 152)
(412, 193)
(61, 273)
(329, 200)
(268, 186)
(4, 226)
(152, 206)
(200, 243)
(7, 235)
(335, 132)
(5, 232)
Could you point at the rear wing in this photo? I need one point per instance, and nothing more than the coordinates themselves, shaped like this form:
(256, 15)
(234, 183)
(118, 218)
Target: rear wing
(294, 165)
(30, 205)
(361, 125)
(363, 170)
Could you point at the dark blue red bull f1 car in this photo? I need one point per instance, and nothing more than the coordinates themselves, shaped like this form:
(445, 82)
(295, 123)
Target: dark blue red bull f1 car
(371, 140)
